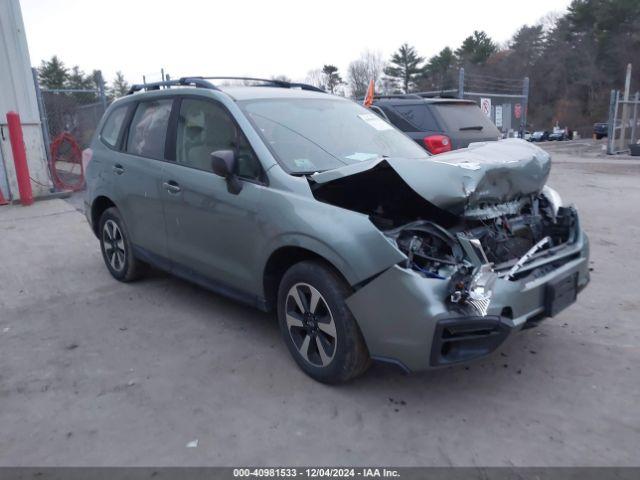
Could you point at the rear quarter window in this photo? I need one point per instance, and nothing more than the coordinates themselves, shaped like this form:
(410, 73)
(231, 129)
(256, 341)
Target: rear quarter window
(111, 129)
(418, 116)
(461, 117)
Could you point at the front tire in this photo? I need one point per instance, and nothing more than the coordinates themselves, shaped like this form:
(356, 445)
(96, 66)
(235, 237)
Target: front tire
(117, 251)
(317, 326)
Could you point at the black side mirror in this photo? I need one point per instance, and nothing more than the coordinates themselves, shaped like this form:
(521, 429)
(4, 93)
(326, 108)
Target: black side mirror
(223, 163)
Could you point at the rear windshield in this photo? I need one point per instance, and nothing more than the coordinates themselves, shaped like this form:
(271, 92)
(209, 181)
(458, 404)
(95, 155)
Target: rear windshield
(463, 117)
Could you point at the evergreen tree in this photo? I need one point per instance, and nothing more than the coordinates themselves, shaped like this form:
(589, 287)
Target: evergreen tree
(440, 70)
(53, 73)
(331, 77)
(528, 42)
(78, 79)
(476, 49)
(119, 86)
(405, 66)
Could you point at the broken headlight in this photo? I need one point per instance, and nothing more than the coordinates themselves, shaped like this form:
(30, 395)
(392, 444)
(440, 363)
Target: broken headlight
(553, 198)
(430, 249)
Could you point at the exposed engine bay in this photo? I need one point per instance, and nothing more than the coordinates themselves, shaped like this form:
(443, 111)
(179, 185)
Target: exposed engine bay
(472, 253)
(501, 241)
(468, 223)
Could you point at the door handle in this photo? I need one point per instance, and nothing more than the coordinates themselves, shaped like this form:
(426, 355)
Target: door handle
(172, 187)
(118, 169)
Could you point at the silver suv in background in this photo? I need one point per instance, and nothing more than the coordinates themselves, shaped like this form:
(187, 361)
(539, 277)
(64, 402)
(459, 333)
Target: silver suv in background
(289, 199)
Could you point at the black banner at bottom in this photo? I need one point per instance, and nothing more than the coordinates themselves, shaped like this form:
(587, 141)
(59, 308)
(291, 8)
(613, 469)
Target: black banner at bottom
(406, 473)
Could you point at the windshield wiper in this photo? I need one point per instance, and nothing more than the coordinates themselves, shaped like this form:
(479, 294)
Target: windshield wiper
(474, 127)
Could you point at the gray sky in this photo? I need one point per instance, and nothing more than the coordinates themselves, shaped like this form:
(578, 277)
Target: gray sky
(256, 38)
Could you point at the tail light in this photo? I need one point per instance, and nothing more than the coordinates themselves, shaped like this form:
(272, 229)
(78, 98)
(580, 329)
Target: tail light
(437, 143)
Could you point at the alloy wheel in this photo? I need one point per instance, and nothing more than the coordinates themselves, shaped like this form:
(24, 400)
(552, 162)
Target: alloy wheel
(114, 247)
(311, 325)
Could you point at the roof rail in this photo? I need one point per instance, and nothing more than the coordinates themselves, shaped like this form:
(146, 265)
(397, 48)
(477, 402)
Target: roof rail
(272, 83)
(197, 82)
(451, 93)
(397, 95)
(203, 82)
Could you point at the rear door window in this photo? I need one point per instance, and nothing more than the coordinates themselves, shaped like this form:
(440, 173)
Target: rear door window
(111, 130)
(148, 130)
(419, 116)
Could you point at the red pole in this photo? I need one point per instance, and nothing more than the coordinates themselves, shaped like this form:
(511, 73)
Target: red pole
(20, 158)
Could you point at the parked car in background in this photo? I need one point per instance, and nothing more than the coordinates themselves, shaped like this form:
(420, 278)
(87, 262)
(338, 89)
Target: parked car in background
(307, 204)
(539, 136)
(558, 135)
(600, 129)
(437, 124)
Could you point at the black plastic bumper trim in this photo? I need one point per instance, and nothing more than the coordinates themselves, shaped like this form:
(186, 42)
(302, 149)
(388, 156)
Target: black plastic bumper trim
(462, 339)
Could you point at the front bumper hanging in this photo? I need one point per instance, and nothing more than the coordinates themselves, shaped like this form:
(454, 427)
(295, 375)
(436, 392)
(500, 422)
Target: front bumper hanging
(407, 319)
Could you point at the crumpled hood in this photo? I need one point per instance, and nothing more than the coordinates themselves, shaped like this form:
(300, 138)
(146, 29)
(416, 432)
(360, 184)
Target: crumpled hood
(482, 176)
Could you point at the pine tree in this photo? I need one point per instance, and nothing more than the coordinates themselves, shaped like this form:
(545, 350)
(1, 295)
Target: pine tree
(119, 86)
(78, 79)
(476, 48)
(440, 70)
(53, 73)
(405, 66)
(331, 77)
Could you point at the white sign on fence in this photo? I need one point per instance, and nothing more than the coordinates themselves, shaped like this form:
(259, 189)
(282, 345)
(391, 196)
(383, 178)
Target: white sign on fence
(499, 116)
(485, 106)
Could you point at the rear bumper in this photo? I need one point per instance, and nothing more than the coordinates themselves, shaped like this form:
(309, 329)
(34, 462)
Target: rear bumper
(406, 319)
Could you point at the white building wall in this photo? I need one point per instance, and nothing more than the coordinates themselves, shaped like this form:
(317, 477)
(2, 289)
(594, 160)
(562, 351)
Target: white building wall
(17, 93)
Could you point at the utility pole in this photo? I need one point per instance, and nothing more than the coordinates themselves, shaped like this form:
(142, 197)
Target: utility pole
(625, 109)
(461, 83)
(524, 107)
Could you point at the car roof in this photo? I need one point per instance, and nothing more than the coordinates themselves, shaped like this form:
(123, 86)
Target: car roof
(237, 93)
(264, 89)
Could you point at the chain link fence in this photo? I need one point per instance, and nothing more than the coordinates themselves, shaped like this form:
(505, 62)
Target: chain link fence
(623, 127)
(69, 119)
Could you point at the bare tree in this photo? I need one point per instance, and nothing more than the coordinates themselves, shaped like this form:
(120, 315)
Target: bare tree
(358, 78)
(375, 64)
(549, 21)
(315, 78)
(360, 72)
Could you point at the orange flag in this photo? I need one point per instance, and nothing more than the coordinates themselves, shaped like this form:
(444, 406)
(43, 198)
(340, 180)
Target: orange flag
(368, 99)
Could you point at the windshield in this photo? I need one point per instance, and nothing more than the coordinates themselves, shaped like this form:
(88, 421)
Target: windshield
(312, 135)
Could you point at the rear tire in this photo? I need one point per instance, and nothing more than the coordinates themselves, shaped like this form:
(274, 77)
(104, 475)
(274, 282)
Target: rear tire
(317, 326)
(116, 247)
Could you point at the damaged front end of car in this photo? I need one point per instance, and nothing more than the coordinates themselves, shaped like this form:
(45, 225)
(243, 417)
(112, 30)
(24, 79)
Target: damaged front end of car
(488, 250)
